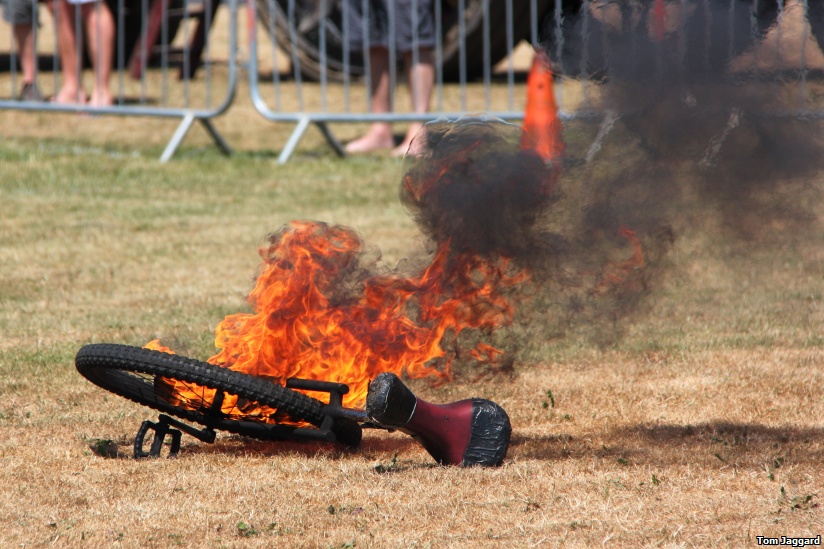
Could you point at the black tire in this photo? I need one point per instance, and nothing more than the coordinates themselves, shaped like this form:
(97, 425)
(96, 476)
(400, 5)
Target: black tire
(140, 375)
(301, 41)
(305, 35)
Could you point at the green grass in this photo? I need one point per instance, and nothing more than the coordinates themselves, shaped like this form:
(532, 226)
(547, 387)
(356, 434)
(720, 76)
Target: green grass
(109, 244)
(116, 247)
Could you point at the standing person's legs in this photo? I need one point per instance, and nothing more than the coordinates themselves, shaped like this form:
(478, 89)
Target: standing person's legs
(24, 37)
(22, 15)
(367, 22)
(99, 23)
(379, 135)
(421, 81)
(415, 30)
(71, 90)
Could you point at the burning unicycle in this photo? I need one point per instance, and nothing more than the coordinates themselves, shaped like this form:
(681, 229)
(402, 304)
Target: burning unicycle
(468, 432)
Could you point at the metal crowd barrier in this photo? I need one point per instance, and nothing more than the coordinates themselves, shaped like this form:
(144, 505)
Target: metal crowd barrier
(163, 62)
(305, 69)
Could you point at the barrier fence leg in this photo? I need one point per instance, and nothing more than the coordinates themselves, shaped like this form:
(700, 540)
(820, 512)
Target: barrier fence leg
(293, 141)
(177, 138)
(183, 129)
(331, 139)
(297, 134)
(216, 137)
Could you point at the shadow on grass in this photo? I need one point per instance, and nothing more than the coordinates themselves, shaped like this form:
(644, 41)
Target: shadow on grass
(717, 444)
(371, 448)
(382, 452)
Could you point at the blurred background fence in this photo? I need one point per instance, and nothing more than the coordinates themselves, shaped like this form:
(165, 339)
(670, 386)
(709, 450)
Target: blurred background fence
(162, 55)
(308, 62)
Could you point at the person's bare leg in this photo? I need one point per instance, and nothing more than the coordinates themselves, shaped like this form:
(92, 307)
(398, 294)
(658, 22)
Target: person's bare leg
(24, 37)
(379, 135)
(70, 91)
(99, 24)
(421, 81)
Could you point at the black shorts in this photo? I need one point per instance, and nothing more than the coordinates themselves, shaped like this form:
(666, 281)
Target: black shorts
(411, 21)
(20, 12)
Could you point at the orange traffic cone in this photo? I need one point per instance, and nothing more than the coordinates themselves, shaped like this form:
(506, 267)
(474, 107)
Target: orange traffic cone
(659, 16)
(541, 122)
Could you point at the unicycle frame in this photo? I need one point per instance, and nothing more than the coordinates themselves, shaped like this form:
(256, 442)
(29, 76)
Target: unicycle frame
(468, 432)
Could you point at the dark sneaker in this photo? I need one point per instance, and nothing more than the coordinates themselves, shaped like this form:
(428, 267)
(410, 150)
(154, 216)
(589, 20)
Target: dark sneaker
(30, 93)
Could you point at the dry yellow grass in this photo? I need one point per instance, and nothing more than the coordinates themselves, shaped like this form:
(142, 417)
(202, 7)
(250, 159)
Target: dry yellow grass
(694, 420)
(708, 450)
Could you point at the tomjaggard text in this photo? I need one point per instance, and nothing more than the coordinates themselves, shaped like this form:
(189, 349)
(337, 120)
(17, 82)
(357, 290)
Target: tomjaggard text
(790, 541)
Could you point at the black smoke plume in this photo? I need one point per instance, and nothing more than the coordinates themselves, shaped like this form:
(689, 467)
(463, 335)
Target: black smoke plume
(473, 186)
(694, 97)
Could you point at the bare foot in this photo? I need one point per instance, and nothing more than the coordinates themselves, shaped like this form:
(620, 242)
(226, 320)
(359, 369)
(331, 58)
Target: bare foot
(101, 99)
(400, 150)
(413, 143)
(68, 96)
(376, 138)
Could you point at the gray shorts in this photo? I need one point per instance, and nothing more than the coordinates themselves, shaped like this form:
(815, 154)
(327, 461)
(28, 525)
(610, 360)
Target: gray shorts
(411, 21)
(20, 12)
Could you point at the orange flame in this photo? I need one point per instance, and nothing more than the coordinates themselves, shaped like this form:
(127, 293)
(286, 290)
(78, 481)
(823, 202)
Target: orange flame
(623, 274)
(156, 345)
(541, 122)
(302, 328)
(299, 329)
(477, 192)
(191, 395)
